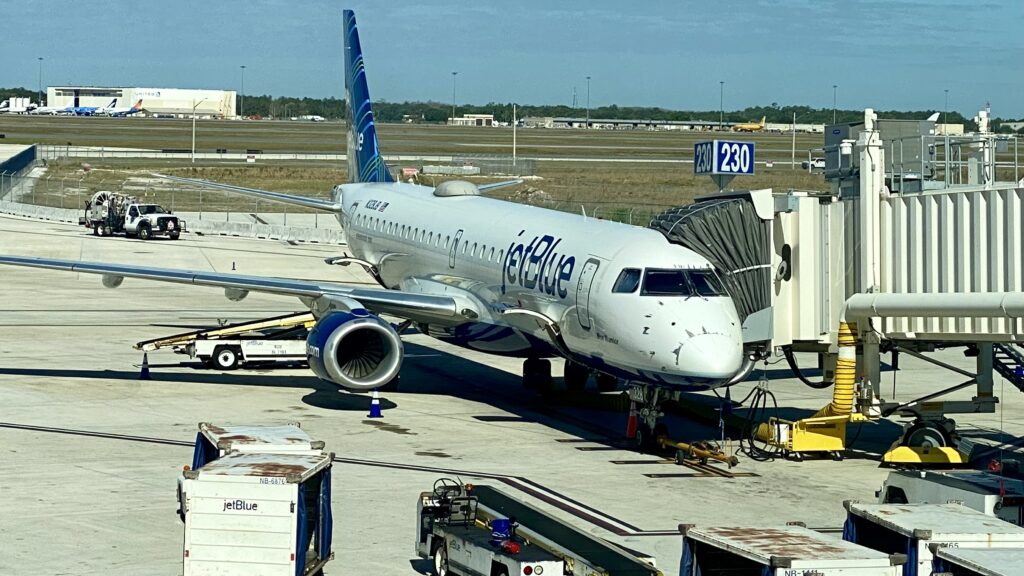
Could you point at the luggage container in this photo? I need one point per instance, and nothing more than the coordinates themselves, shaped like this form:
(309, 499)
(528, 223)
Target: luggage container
(213, 442)
(977, 561)
(993, 494)
(911, 528)
(778, 551)
(258, 515)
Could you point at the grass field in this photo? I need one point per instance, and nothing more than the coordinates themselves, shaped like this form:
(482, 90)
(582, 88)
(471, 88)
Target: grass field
(624, 190)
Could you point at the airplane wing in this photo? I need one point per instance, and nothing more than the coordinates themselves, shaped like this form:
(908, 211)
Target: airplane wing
(403, 304)
(306, 201)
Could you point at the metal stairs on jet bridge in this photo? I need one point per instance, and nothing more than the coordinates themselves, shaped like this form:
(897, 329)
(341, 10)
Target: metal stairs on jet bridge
(1008, 361)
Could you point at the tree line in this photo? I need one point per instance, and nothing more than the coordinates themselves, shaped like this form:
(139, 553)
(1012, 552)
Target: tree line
(439, 112)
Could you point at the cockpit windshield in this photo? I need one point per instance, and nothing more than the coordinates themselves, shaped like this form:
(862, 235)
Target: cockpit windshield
(151, 209)
(676, 282)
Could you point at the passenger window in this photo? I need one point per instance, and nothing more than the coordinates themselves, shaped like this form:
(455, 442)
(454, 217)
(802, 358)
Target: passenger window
(490, 257)
(628, 281)
(501, 254)
(446, 240)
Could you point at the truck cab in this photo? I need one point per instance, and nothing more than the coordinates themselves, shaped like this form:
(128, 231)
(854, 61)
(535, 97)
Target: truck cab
(148, 220)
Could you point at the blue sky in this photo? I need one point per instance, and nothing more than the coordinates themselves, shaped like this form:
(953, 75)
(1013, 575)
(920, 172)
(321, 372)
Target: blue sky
(887, 55)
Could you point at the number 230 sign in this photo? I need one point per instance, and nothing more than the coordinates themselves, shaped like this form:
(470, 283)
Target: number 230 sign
(723, 157)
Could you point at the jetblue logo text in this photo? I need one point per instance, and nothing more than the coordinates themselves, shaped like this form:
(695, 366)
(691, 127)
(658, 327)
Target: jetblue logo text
(537, 265)
(239, 505)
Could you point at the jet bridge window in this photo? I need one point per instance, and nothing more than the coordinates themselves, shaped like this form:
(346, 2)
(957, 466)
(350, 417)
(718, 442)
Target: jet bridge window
(681, 283)
(628, 281)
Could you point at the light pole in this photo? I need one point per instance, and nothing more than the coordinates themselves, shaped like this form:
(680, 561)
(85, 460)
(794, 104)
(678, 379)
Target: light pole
(454, 74)
(194, 106)
(39, 96)
(242, 112)
(588, 102)
(833, 103)
(721, 104)
(945, 112)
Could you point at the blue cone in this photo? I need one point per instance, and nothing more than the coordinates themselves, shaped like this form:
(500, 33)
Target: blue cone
(375, 406)
(144, 375)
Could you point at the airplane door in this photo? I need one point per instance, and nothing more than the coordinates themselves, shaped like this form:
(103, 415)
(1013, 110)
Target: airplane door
(455, 248)
(583, 292)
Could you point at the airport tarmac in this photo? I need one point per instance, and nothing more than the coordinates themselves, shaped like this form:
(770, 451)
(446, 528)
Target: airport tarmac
(91, 452)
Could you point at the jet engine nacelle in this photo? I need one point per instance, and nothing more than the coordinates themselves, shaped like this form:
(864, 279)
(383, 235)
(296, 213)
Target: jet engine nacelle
(355, 350)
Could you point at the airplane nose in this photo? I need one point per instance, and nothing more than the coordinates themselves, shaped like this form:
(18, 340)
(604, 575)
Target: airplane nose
(715, 356)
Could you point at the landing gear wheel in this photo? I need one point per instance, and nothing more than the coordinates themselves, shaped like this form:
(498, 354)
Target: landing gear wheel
(440, 561)
(537, 375)
(225, 358)
(607, 383)
(926, 434)
(576, 376)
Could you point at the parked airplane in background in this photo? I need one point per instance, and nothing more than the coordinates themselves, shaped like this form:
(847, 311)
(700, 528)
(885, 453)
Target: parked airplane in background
(113, 111)
(51, 110)
(614, 300)
(312, 118)
(750, 126)
(90, 110)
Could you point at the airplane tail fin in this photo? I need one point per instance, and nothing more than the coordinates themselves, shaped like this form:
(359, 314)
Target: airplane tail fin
(138, 105)
(763, 118)
(364, 161)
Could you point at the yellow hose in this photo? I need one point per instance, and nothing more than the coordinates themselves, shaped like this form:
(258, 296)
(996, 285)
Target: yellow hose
(843, 391)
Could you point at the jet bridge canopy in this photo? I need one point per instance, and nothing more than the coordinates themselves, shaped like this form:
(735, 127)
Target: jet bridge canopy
(729, 232)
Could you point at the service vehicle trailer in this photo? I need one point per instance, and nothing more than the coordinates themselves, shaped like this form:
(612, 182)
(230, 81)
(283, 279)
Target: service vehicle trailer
(911, 528)
(481, 531)
(994, 494)
(778, 551)
(258, 514)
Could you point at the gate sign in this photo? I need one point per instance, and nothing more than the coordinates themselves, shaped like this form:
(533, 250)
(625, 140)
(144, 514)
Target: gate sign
(721, 157)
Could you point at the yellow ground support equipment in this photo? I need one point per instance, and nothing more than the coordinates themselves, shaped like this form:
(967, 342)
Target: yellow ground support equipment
(923, 456)
(825, 431)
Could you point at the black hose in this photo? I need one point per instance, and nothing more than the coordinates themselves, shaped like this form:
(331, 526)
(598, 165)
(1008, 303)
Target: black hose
(791, 360)
(756, 414)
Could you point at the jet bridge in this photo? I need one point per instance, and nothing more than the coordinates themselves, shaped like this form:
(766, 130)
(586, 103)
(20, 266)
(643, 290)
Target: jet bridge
(946, 220)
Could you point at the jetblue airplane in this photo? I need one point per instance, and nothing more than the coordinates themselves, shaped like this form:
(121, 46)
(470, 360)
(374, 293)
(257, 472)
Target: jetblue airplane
(614, 300)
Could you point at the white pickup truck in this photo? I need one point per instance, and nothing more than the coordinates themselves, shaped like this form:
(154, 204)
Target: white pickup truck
(109, 213)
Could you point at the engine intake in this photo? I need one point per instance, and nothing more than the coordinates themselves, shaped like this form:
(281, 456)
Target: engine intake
(355, 350)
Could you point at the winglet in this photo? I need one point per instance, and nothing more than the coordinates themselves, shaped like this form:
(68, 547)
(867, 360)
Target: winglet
(364, 161)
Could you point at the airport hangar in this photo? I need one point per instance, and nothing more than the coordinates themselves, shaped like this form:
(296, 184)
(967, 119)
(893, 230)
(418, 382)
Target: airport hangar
(171, 101)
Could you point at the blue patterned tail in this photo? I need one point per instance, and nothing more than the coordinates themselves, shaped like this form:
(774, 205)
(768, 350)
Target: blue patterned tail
(364, 161)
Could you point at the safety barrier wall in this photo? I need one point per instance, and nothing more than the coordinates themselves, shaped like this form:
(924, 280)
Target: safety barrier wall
(334, 236)
(14, 167)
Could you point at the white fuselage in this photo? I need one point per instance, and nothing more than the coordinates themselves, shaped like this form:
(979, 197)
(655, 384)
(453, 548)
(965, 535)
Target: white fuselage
(526, 267)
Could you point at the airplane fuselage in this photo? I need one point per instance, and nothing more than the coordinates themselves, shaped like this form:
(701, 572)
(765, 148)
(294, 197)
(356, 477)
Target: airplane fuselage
(532, 270)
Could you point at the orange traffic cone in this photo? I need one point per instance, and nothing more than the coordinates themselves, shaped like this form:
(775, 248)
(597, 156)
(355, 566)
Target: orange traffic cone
(144, 375)
(375, 406)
